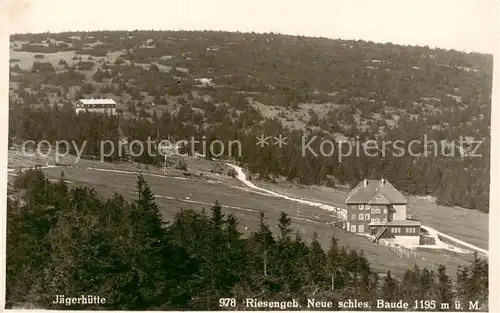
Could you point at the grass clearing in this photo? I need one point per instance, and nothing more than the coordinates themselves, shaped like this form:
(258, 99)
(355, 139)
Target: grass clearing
(470, 226)
(305, 219)
(230, 192)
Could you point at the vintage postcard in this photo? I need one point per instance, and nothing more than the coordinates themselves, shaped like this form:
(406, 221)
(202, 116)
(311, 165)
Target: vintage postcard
(258, 155)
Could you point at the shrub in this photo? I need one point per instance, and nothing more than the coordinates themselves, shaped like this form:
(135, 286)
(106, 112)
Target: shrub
(181, 164)
(232, 173)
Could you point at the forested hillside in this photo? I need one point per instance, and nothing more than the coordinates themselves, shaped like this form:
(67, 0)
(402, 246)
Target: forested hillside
(268, 84)
(73, 241)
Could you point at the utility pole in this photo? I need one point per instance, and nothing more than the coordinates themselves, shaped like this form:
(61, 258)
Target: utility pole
(165, 165)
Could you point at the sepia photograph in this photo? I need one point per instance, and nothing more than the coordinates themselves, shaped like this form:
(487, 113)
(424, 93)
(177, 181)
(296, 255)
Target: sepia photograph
(247, 155)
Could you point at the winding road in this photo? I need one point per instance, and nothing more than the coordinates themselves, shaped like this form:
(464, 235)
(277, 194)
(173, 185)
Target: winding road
(243, 178)
(342, 214)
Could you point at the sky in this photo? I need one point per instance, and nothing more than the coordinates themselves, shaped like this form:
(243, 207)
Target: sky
(467, 25)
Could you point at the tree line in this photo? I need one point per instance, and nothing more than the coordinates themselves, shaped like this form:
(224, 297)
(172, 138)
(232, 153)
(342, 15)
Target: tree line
(445, 95)
(72, 241)
(452, 176)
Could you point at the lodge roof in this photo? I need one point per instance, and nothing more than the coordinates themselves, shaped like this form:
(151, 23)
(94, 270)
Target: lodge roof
(380, 232)
(375, 192)
(397, 223)
(97, 101)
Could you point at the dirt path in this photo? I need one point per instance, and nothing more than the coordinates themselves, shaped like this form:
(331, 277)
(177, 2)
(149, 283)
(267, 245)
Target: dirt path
(342, 213)
(242, 177)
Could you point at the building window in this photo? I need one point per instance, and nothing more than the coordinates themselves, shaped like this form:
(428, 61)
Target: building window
(384, 220)
(385, 211)
(361, 207)
(372, 220)
(377, 220)
(353, 228)
(367, 216)
(398, 230)
(361, 228)
(377, 211)
(361, 216)
(372, 211)
(353, 216)
(367, 207)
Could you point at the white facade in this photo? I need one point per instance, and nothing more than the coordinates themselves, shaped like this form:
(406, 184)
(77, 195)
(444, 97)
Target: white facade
(103, 106)
(400, 212)
(408, 241)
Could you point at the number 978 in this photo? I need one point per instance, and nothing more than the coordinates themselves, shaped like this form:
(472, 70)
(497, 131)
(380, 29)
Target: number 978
(227, 302)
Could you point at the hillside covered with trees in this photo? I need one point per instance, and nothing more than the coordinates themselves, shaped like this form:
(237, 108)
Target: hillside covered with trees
(268, 84)
(73, 241)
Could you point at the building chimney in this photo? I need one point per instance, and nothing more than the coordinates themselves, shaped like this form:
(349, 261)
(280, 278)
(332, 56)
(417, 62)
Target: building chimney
(382, 182)
(365, 182)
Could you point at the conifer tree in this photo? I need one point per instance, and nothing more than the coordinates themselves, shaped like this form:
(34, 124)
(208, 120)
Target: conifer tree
(443, 288)
(284, 226)
(265, 242)
(317, 261)
(333, 261)
(389, 290)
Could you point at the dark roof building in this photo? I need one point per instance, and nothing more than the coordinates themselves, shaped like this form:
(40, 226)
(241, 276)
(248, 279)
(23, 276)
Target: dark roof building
(376, 208)
(96, 105)
(375, 192)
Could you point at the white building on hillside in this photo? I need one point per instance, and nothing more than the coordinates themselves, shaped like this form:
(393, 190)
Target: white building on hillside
(96, 106)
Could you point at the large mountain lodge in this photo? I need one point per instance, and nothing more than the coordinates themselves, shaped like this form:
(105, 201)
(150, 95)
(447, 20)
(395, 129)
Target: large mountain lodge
(377, 208)
(107, 106)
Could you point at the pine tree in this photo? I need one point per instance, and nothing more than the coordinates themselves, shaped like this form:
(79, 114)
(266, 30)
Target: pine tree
(284, 226)
(389, 288)
(443, 288)
(265, 242)
(217, 219)
(333, 261)
(426, 283)
(410, 284)
(237, 265)
(147, 210)
(317, 261)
